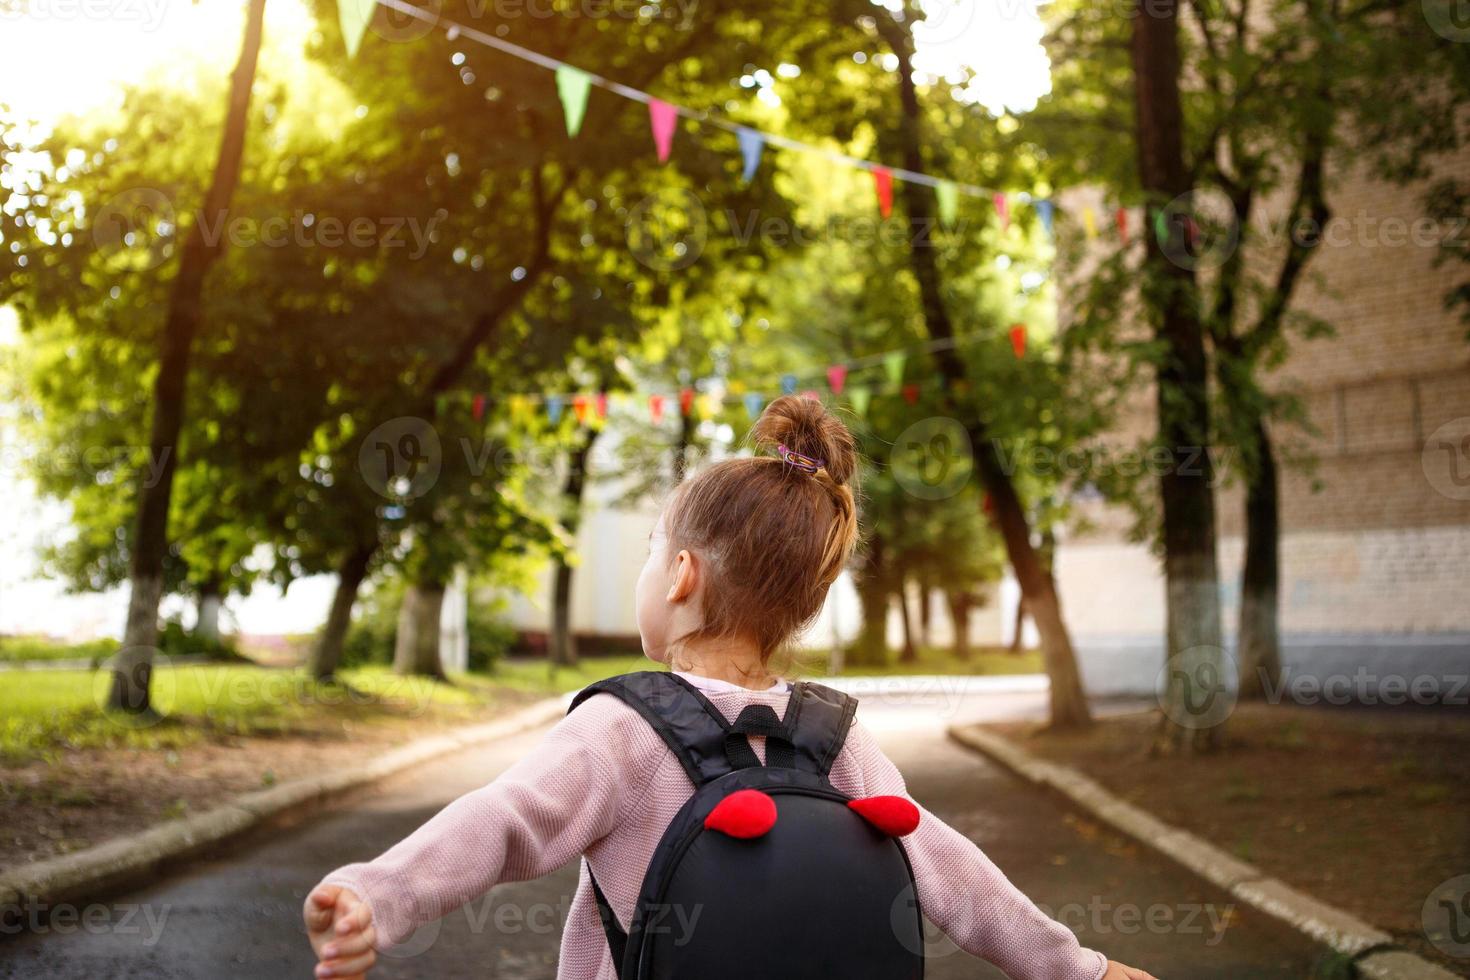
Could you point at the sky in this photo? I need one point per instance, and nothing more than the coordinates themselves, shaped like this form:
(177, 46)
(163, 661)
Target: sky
(71, 56)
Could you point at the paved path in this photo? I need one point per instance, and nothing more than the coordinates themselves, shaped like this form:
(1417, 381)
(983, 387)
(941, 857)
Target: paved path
(238, 914)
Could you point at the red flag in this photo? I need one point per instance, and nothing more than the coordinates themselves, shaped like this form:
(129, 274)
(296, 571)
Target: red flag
(1002, 210)
(663, 118)
(686, 400)
(988, 505)
(477, 407)
(656, 408)
(601, 403)
(1122, 218)
(883, 184)
(837, 377)
(1018, 339)
(911, 393)
(579, 408)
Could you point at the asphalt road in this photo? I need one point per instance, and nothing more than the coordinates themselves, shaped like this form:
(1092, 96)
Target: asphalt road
(237, 914)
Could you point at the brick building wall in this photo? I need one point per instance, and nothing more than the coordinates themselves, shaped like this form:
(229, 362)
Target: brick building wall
(1375, 490)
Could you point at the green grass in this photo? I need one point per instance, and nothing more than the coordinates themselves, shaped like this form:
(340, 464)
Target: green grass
(45, 711)
(932, 660)
(16, 648)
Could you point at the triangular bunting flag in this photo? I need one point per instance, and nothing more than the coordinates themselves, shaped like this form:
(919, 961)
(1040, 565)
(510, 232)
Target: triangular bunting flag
(753, 404)
(883, 184)
(911, 393)
(788, 384)
(1121, 217)
(477, 407)
(837, 377)
(572, 85)
(686, 400)
(354, 16)
(600, 403)
(1018, 339)
(554, 406)
(1002, 209)
(813, 394)
(1046, 211)
(441, 405)
(751, 145)
(1089, 222)
(663, 118)
(894, 365)
(656, 408)
(581, 405)
(947, 195)
(860, 397)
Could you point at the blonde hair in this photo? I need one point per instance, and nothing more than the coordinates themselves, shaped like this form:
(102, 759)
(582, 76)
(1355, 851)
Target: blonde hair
(774, 535)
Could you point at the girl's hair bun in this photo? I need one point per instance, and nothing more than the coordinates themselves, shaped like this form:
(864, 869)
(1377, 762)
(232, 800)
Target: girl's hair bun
(803, 425)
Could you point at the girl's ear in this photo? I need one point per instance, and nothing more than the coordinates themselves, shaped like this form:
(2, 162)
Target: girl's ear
(686, 577)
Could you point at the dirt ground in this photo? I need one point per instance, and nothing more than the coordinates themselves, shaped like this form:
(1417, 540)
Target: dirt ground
(1368, 809)
(79, 798)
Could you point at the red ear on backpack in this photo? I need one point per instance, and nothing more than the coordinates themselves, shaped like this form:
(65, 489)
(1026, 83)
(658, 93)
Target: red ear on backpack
(745, 813)
(893, 815)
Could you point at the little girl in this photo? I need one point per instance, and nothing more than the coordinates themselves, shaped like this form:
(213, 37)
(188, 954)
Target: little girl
(740, 561)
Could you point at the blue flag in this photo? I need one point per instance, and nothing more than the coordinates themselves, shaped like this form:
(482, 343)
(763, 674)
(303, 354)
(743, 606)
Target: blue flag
(751, 144)
(788, 384)
(553, 408)
(753, 403)
(1045, 211)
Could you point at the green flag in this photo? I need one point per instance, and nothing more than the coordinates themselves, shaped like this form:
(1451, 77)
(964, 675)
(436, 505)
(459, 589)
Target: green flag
(894, 363)
(572, 85)
(354, 16)
(860, 397)
(948, 196)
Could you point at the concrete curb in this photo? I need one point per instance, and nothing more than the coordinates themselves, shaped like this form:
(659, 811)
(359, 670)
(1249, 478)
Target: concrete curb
(78, 876)
(1324, 923)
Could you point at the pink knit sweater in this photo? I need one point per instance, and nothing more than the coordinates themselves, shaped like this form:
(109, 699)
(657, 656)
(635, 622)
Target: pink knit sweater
(604, 785)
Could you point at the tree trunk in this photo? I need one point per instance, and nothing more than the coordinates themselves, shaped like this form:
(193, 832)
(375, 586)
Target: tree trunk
(910, 653)
(206, 626)
(1260, 594)
(130, 688)
(960, 604)
(1068, 703)
(681, 447)
(1192, 692)
(326, 652)
(871, 647)
(416, 650)
(1020, 628)
(562, 649)
(926, 613)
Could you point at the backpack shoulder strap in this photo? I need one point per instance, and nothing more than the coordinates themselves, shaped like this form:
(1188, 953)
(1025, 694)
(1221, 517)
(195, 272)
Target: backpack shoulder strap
(692, 727)
(818, 719)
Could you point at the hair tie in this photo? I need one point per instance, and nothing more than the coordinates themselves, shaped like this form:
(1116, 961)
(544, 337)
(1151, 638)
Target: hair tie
(807, 464)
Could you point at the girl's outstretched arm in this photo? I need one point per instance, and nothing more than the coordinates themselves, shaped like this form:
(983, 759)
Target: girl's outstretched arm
(540, 813)
(965, 894)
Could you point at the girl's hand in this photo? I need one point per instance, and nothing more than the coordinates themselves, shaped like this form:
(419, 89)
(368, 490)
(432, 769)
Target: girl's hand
(340, 926)
(1117, 971)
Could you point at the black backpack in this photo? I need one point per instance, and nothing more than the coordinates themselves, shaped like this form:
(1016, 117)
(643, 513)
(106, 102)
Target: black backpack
(821, 892)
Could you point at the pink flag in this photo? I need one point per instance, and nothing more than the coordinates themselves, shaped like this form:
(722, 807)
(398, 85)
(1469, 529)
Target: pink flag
(1122, 218)
(663, 118)
(656, 408)
(883, 184)
(1002, 210)
(837, 377)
